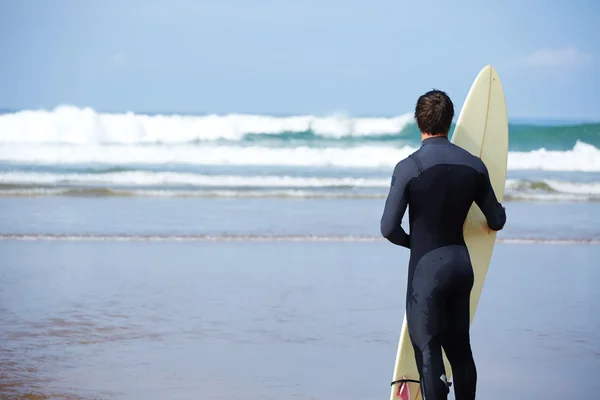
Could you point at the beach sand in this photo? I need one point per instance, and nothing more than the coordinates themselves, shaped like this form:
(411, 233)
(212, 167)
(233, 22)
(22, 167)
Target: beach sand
(276, 320)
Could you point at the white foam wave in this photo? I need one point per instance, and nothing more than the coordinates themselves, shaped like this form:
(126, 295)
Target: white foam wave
(144, 178)
(514, 188)
(552, 186)
(583, 157)
(574, 187)
(364, 156)
(281, 194)
(72, 125)
(199, 193)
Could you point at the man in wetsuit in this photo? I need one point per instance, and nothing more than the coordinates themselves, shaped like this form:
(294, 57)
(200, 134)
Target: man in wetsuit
(438, 183)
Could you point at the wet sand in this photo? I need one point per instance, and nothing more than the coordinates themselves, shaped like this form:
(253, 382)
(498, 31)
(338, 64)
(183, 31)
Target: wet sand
(287, 320)
(273, 217)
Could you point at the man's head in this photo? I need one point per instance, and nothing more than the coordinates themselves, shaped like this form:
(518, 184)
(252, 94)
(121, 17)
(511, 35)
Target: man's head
(434, 113)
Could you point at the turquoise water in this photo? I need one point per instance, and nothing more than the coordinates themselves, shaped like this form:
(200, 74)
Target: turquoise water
(523, 137)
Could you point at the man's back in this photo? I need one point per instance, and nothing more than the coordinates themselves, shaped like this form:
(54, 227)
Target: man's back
(448, 181)
(439, 182)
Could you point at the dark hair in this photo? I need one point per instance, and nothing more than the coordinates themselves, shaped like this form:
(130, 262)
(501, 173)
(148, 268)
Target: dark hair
(434, 112)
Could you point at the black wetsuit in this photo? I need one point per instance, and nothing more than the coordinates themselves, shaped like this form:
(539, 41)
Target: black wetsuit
(439, 182)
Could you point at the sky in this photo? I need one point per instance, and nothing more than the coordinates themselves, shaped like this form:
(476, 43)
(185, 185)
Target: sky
(364, 58)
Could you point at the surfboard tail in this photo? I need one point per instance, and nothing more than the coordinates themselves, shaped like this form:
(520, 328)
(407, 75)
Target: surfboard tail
(403, 391)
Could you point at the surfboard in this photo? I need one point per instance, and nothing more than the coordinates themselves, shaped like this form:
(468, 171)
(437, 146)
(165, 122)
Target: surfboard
(481, 129)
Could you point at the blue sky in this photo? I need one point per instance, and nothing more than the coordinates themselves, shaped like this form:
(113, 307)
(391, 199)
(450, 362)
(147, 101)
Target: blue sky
(290, 57)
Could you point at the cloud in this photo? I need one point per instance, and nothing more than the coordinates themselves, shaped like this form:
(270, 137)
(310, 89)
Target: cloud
(119, 60)
(568, 56)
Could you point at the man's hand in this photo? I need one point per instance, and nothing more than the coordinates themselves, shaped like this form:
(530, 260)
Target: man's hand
(486, 227)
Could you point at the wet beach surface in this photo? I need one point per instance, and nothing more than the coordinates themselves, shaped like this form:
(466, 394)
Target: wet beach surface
(144, 320)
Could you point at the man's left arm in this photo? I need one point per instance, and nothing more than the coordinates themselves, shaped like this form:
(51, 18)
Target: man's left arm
(396, 203)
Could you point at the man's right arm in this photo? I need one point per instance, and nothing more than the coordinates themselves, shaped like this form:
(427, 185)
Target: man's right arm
(396, 204)
(488, 203)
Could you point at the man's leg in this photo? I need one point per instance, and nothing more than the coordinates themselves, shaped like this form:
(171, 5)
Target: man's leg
(430, 364)
(458, 350)
(457, 346)
(427, 316)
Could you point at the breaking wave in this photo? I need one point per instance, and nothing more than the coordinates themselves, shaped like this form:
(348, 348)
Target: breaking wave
(85, 126)
(71, 125)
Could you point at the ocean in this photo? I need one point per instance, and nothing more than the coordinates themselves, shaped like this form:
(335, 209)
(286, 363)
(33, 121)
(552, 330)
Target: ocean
(73, 151)
(164, 256)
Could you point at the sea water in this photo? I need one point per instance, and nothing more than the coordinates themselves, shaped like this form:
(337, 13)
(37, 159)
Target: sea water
(78, 151)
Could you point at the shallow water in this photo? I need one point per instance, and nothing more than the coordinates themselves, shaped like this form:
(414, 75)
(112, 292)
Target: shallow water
(129, 320)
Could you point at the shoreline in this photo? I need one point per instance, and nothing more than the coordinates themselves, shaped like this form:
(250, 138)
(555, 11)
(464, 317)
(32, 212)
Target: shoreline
(260, 238)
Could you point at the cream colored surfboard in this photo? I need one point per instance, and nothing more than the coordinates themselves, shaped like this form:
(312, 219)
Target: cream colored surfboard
(482, 129)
